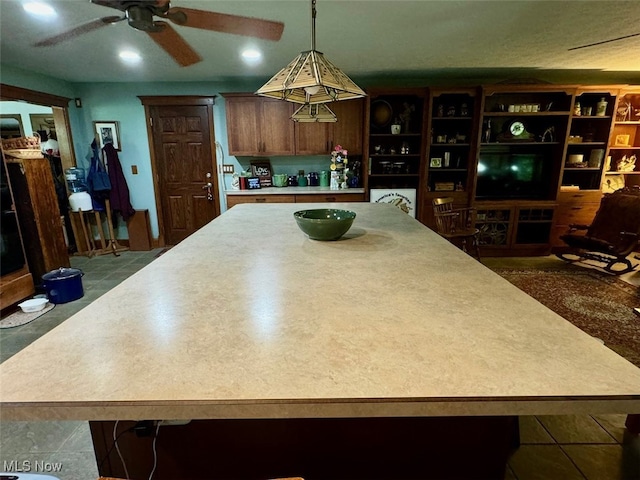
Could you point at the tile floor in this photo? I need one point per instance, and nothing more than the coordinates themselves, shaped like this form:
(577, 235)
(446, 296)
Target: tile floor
(578, 447)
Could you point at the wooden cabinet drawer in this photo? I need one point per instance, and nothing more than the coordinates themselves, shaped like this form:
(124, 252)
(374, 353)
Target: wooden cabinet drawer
(576, 213)
(579, 197)
(15, 286)
(237, 199)
(329, 197)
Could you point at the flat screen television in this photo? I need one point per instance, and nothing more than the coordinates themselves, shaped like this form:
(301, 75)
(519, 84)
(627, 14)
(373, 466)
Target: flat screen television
(504, 174)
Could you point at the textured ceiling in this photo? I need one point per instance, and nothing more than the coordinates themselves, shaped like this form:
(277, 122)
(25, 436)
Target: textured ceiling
(365, 38)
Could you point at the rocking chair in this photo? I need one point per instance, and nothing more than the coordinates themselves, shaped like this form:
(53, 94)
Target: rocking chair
(456, 224)
(613, 235)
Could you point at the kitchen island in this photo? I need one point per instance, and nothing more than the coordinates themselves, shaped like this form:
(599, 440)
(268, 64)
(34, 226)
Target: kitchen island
(382, 351)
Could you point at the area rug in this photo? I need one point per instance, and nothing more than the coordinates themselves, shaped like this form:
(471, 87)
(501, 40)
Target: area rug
(20, 318)
(597, 303)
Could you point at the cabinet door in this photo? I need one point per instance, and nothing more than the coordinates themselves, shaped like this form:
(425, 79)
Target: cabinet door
(276, 129)
(313, 138)
(243, 125)
(348, 130)
(269, 198)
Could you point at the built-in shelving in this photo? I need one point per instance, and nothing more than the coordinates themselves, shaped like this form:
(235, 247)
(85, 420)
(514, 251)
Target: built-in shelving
(624, 142)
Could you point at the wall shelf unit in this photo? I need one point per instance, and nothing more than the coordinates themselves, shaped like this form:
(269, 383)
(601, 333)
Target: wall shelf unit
(395, 157)
(451, 147)
(624, 143)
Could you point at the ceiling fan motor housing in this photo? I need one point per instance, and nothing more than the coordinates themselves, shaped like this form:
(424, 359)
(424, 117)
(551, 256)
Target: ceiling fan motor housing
(141, 18)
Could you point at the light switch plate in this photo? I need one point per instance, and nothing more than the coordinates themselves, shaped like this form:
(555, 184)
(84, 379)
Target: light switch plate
(227, 168)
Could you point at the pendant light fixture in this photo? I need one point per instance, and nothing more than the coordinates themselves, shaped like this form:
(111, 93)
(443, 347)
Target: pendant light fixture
(314, 112)
(311, 79)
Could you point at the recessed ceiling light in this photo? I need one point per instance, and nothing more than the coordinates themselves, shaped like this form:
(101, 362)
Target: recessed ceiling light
(130, 56)
(251, 55)
(39, 8)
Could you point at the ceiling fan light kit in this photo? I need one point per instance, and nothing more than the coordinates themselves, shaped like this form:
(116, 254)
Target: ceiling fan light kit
(310, 78)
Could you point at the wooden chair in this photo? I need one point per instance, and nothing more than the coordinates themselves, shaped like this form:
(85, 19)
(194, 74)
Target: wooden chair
(456, 224)
(612, 236)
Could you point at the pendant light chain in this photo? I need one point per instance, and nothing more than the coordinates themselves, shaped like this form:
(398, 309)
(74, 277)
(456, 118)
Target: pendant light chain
(313, 25)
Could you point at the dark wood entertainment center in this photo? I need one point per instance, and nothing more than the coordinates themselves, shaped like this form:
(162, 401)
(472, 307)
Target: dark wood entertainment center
(531, 158)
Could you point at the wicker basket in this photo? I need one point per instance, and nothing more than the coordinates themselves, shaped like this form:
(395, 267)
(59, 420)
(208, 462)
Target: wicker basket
(24, 153)
(20, 143)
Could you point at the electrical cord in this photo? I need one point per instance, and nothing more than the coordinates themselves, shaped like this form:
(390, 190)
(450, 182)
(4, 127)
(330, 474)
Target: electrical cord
(113, 446)
(115, 441)
(155, 453)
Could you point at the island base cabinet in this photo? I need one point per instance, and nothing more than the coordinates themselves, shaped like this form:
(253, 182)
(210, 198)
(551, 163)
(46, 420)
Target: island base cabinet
(317, 449)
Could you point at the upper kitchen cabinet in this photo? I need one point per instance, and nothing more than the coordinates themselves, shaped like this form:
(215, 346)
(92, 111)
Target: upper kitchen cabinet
(320, 138)
(259, 126)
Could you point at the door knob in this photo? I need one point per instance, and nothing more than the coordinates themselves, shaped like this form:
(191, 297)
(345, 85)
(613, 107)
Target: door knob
(207, 186)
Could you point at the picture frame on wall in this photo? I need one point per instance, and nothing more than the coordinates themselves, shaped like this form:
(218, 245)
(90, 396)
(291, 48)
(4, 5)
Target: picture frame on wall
(107, 132)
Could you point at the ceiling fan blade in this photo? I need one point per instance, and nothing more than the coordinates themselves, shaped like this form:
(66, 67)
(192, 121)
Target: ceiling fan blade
(176, 46)
(79, 30)
(605, 41)
(222, 22)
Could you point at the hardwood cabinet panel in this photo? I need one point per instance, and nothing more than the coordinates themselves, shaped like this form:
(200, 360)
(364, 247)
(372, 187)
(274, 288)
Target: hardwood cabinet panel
(15, 286)
(348, 130)
(259, 126)
(320, 138)
(277, 127)
(313, 138)
(565, 198)
(238, 199)
(38, 213)
(330, 197)
(582, 214)
(243, 116)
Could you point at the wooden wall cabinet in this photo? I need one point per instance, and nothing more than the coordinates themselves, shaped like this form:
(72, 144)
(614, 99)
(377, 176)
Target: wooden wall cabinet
(16, 283)
(259, 126)
(38, 214)
(320, 138)
(327, 197)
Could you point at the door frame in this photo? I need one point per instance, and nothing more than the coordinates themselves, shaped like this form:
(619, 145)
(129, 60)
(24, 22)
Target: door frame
(59, 106)
(178, 100)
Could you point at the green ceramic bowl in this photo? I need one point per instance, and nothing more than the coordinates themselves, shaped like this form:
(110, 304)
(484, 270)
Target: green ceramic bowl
(324, 223)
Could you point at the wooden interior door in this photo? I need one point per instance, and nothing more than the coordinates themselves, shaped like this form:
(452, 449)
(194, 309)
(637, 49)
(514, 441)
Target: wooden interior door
(185, 169)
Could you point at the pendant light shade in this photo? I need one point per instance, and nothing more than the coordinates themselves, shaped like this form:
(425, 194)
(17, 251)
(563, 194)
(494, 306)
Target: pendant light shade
(310, 78)
(315, 112)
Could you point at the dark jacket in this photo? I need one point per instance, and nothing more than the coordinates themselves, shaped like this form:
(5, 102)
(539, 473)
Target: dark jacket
(119, 195)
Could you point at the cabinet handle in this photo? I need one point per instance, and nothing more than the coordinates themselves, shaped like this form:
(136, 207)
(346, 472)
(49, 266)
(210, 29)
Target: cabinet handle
(330, 199)
(576, 208)
(261, 200)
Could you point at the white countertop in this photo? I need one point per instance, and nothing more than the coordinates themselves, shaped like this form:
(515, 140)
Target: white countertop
(293, 191)
(248, 318)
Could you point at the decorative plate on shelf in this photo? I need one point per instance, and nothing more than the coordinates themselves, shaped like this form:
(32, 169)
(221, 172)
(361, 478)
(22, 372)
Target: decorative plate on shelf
(381, 113)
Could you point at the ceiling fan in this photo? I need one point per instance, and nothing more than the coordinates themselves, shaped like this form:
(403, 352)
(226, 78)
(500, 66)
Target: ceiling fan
(605, 41)
(140, 15)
